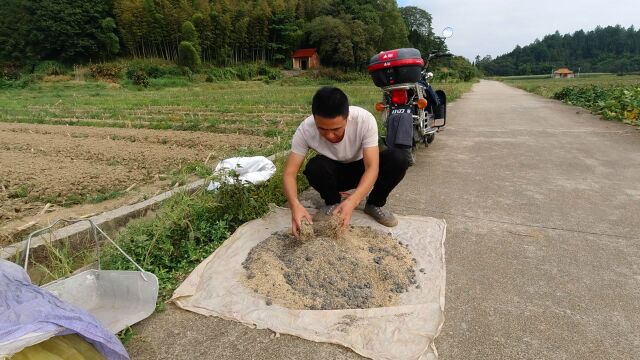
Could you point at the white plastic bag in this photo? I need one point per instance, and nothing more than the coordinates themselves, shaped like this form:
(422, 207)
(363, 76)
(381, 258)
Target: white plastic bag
(253, 170)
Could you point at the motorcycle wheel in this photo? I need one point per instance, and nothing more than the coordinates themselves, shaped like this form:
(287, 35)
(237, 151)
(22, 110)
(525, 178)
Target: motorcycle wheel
(430, 138)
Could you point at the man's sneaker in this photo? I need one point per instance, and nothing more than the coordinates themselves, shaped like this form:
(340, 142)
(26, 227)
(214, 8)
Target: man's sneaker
(381, 214)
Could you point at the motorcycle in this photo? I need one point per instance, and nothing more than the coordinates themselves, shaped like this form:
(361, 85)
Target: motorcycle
(412, 111)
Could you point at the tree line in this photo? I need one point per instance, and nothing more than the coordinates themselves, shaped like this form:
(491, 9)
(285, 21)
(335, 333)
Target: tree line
(611, 49)
(221, 32)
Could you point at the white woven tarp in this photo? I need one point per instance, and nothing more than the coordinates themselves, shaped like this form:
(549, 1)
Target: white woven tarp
(406, 331)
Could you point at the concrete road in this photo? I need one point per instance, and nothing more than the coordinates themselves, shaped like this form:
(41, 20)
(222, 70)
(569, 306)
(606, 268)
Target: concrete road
(542, 202)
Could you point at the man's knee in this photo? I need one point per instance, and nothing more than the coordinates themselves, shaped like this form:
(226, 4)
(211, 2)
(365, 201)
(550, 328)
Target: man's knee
(394, 159)
(319, 167)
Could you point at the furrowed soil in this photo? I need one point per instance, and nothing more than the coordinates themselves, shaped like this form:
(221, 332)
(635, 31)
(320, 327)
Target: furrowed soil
(55, 164)
(362, 268)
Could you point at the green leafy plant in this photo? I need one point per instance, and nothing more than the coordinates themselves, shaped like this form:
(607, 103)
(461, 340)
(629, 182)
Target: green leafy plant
(20, 192)
(126, 335)
(611, 102)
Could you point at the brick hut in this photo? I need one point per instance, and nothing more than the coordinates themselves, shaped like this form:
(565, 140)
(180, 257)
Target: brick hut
(563, 73)
(304, 59)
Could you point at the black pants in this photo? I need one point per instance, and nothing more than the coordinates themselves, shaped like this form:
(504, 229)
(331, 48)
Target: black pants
(329, 177)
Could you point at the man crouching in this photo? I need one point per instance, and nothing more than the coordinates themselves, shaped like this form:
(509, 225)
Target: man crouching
(346, 140)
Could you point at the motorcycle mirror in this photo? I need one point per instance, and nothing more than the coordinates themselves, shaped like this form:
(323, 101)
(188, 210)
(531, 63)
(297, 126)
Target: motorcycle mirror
(447, 32)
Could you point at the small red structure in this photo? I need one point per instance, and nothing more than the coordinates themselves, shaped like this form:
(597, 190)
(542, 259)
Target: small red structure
(304, 59)
(563, 73)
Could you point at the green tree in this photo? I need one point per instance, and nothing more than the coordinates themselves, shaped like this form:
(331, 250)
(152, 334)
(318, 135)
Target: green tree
(604, 49)
(13, 31)
(108, 39)
(421, 35)
(188, 56)
(332, 38)
(393, 26)
(190, 35)
(67, 30)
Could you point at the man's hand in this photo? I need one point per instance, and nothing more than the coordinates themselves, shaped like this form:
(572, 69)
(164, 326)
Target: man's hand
(298, 213)
(344, 211)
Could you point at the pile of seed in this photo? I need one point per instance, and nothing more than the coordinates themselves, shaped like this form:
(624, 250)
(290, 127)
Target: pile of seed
(362, 268)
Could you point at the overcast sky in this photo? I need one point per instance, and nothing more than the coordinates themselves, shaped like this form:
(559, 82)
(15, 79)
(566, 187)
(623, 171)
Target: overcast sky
(495, 27)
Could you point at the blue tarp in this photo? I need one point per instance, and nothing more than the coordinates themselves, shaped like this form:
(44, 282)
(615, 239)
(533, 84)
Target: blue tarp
(26, 309)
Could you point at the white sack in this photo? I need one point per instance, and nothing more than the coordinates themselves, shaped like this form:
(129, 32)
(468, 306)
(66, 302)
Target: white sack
(406, 331)
(254, 170)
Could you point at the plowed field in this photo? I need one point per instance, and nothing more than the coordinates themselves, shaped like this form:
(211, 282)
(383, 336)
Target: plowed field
(66, 165)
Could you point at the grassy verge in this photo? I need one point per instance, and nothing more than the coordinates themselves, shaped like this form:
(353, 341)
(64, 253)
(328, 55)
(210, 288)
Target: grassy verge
(189, 227)
(610, 96)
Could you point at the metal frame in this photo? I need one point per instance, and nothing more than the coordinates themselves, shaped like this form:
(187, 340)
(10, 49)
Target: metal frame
(95, 229)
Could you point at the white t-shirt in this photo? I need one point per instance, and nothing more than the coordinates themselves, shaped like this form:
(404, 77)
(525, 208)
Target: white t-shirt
(361, 132)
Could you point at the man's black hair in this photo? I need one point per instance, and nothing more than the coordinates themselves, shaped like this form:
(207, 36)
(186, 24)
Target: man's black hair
(330, 102)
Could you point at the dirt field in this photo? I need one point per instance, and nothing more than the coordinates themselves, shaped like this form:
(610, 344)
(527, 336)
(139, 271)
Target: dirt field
(64, 165)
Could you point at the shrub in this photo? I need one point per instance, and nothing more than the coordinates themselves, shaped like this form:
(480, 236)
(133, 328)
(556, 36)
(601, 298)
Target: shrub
(611, 102)
(187, 73)
(153, 68)
(188, 56)
(9, 72)
(247, 71)
(108, 71)
(50, 68)
(139, 78)
(223, 74)
(244, 72)
(269, 72)
(21, 82)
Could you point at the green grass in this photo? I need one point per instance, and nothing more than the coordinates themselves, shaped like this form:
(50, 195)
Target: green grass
(21, 192)
(252, 107)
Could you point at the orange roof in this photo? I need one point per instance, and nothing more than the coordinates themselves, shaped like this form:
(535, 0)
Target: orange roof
(300, 53)
(563, 71)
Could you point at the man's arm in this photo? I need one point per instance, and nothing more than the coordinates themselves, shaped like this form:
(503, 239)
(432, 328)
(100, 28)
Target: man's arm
(371, 158)
(290, 184)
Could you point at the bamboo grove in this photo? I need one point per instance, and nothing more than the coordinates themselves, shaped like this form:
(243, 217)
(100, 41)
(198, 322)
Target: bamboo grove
(222, 32)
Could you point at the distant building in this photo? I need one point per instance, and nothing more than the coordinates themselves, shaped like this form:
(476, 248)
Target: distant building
(304, 59)
(563, 73)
